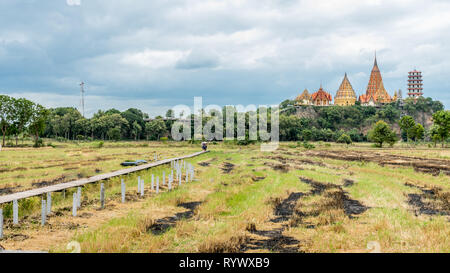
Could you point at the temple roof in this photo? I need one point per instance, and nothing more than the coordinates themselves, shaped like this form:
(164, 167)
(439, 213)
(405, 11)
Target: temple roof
(346, 89)
(321, 95)
(304, 96)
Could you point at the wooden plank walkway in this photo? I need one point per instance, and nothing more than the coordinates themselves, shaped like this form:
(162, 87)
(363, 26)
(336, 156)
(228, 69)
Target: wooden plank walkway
(77, 183)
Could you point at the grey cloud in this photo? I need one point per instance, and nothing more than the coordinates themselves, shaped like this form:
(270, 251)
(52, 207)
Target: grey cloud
(197, 59)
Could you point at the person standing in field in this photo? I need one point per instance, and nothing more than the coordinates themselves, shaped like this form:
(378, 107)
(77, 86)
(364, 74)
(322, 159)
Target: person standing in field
(204, 146)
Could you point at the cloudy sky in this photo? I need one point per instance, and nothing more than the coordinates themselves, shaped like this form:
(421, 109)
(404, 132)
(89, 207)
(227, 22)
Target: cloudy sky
(156, 54)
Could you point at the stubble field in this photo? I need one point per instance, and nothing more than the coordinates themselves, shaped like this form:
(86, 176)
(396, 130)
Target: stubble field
(329, 199)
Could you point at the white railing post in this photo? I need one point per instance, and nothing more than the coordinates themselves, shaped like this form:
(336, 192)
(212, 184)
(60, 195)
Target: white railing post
(102, 195)
(139, 184)
(43, 212)
(153, 182)
(79, 197)
(1, 224)
(49, 203)
(123, 191)
(157, 185)
(74, 204)
(15, 212)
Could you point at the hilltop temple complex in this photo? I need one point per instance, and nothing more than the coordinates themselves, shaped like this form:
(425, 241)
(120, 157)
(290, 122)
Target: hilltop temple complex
(375, 94)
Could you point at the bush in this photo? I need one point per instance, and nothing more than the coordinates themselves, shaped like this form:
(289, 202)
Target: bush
(344, 139)
(244, 142)
(164, 139)
(51, 145)
(80, 137)
(38, 143)
(308, 146)
(99, 144)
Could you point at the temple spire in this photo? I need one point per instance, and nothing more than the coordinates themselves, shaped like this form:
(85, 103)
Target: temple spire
(375, 63)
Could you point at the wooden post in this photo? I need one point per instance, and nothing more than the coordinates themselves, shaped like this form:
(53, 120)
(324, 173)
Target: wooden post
(1, 224)
(15, 212)
(187, 176)
(170, 184)
(49, 203)
(74, 204)
(157, 185)
(123, 191)
(102, 196)
(164, 178)
(79, 197)
(179, 179)
(43, 212)
(64, 194)
(142, 188)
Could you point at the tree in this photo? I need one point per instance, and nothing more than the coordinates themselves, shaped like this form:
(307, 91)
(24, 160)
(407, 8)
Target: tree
(344, 138)
(170, 114)
(37, 121)
(155, 129)
(6, 114)
(133, 115)
(407, 124)
(381, 133)
(136, 130)
(441, 121)
(114, 133)
(434, 134)
(23, 112)
(419, 132)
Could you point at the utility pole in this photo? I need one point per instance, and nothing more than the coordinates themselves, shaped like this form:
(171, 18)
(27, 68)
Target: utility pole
(82, 97)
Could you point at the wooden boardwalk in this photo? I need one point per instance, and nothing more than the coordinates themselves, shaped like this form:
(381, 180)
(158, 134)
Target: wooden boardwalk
(81, 182)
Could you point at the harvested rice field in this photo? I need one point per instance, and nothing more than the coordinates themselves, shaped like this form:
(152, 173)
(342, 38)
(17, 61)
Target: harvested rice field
(329, 199)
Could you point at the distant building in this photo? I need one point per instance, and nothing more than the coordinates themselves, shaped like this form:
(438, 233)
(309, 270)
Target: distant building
(375, 93)
(415, 84)
(345, 95)
(321, 98)
(304, 98)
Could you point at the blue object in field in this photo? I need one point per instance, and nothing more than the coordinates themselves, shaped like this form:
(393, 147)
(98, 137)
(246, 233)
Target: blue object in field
(133, 163)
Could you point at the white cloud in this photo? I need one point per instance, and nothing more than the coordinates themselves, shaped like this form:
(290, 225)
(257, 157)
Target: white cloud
(73, 2)
(153, 58)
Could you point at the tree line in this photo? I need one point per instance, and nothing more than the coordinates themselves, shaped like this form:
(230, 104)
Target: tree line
(21, 117)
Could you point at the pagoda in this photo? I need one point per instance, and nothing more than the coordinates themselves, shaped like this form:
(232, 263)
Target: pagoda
(321, 97)
(304, 98)
(375, 93)
(345, 95)
(415, 84)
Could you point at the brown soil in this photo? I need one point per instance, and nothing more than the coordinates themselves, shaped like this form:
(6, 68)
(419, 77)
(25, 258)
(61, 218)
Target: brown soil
(430, 201)
(227, 167)
(44, 183)
(9, 190)
(258, 178)
(339, 197)
(162, 225)
(425, 165)
(274, 240)
(348, 183)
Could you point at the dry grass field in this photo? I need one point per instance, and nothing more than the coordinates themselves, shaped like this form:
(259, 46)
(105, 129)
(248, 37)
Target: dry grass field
(329, 199)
